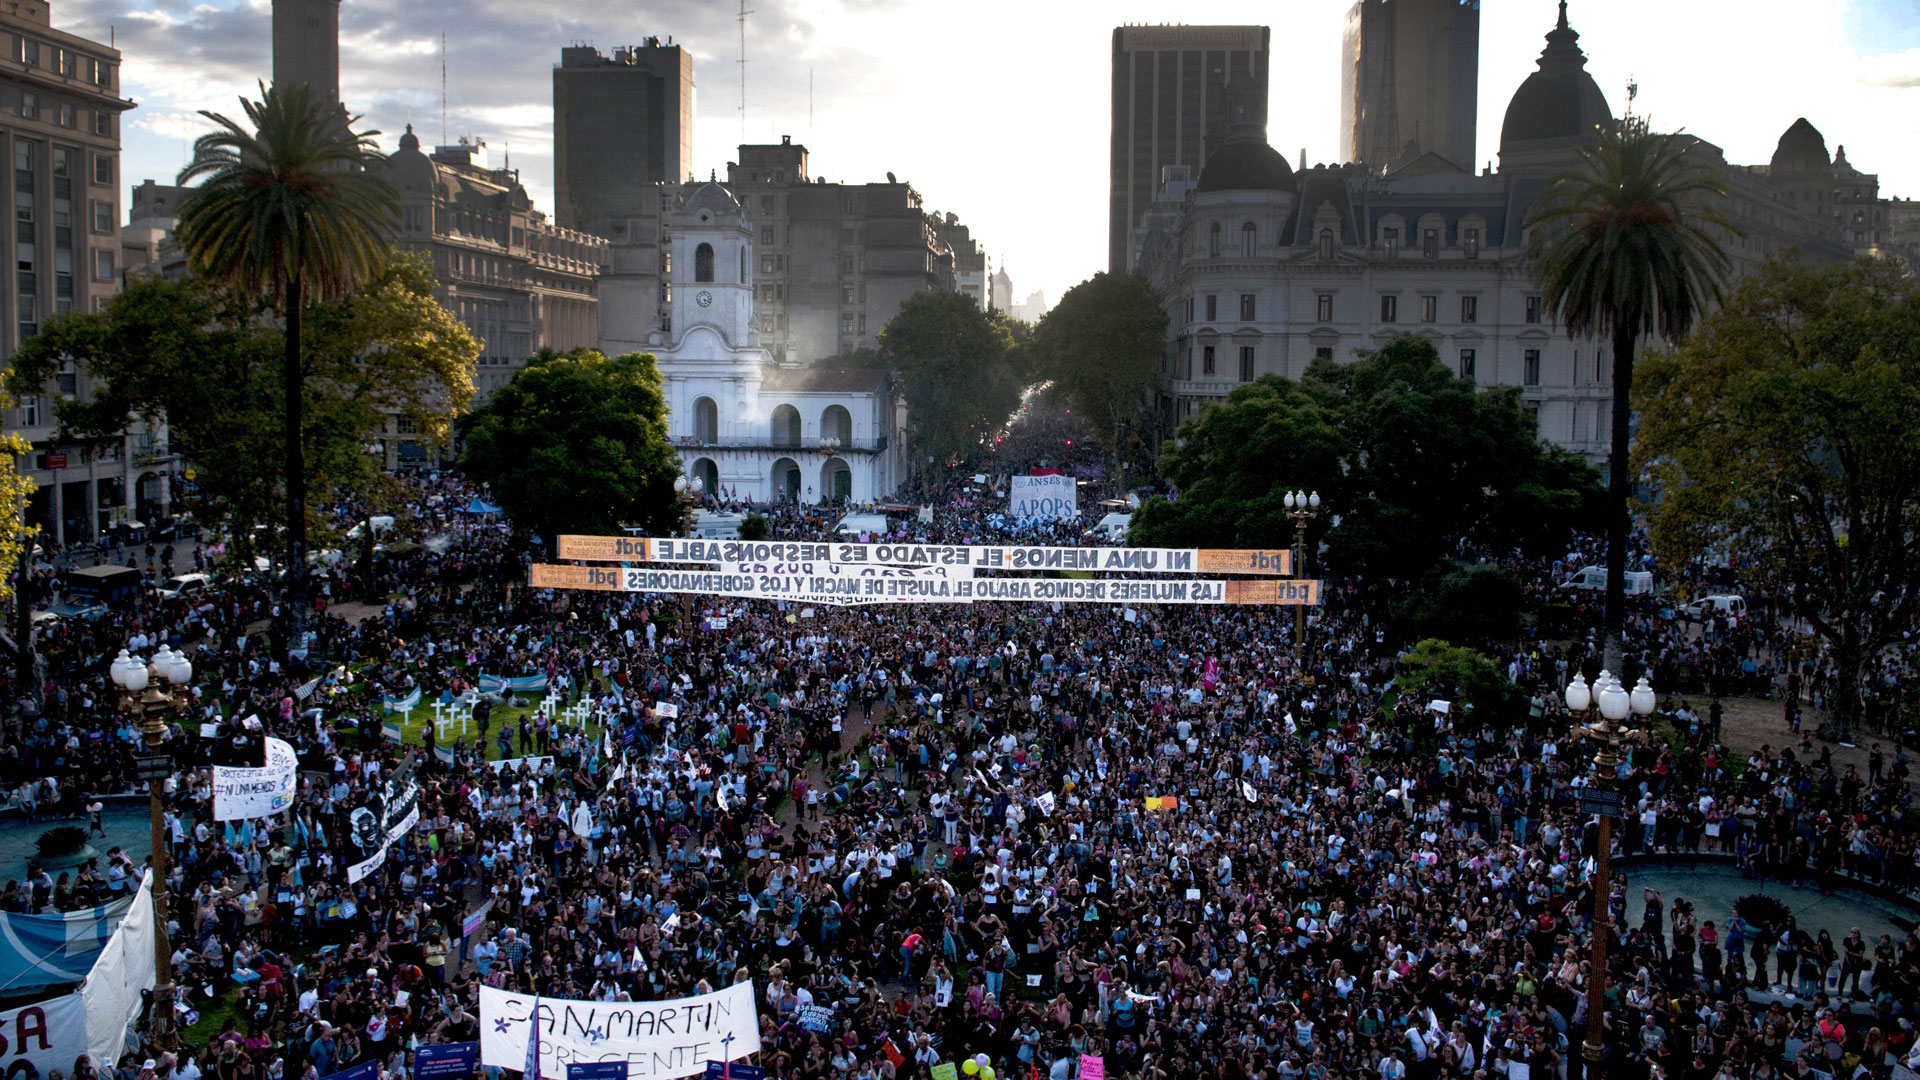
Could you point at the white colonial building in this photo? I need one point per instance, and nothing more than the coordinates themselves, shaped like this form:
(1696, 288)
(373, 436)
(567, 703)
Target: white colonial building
(745, 425)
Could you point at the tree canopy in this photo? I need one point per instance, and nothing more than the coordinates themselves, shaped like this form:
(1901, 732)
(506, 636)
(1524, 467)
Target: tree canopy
(577, 443)
(954, 372)
(1786, 433)
(197, 357)
(1407, 457)
(1103, 346)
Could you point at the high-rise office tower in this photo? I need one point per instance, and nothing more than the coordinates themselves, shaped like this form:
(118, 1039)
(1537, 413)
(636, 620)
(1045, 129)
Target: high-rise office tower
(1170, 91)
(306, 45)
(620, 125)
(1410, 69)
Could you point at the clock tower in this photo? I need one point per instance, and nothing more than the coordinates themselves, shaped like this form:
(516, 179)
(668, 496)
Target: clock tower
(711, 279)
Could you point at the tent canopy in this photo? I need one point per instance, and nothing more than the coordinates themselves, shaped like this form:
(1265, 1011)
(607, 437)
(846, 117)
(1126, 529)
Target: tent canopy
(479, 506)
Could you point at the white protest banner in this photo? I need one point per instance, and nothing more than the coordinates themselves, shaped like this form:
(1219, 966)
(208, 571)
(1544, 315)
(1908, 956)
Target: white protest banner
(659, 1040)
(667, 709)
(843, 591)
(240, 793)
(50, 1034)
(540, 765)
(848, 570)
(641, 549)
(1044, 497)
(388, 814)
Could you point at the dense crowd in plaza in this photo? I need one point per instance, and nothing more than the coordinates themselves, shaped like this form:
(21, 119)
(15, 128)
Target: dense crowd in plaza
(1175, 837)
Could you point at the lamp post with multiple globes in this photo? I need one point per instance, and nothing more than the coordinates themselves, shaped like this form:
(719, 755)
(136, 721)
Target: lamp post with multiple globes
(1614, 704)
(141, 695)
(1302, 508)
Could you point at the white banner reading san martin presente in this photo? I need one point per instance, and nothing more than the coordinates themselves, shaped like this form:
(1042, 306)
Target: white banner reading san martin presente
(1144, 560)
(255, 793)
(659, 1040)
(853, 590)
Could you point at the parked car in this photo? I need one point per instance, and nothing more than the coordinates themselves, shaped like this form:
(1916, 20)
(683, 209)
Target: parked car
(1717, 604)
(187, 585)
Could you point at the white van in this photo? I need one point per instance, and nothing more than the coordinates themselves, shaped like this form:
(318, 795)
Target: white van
(854, 524)
(1594, 579)
(189, 585)
(1111, 529)
(718, 526)
(1708, 607)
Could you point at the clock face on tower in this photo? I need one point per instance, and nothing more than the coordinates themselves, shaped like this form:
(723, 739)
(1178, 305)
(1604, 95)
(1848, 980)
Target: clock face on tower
(703, 298)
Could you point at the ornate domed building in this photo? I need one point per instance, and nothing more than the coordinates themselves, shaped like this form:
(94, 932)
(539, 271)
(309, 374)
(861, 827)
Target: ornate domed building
(1265, 268)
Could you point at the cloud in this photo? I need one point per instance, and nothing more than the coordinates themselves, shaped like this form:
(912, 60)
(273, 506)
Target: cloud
(1895, 71)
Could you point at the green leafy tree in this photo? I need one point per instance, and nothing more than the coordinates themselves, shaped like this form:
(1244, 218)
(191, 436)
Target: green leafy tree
(1623, 246)
(1454, 673)
(1232, 464)
(951, 359)
(1477, 602)
(290, 207)
(1408, 456)
(577, 443)
(1103, 345)
(1786, 433)
(198, 357)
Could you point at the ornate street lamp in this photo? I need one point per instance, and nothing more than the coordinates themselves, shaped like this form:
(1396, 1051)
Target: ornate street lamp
(1614, 704)
(1302, 508)
(141, 695)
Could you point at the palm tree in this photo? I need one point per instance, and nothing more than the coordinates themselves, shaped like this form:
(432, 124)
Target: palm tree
(289, 212)
(1623, 245)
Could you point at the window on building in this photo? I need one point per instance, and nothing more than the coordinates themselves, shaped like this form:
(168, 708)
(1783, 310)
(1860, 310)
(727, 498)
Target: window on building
(1213, 241)
(703, 263)
(1530, 368)
(863, 322)
(846, 322)
(1247, 234)
(1469, 309)
(1213, 308)
(766, 235)
(766, 264)
(1189, 309)
(766, 204)
(1429, 308)
(1246, 307)
(30, 410)
(1393, 243)
(67, 116)
(1430, 243)
(846, 294)
(68, 380)
(1466, 364)
(26, 50)
(1389, 308)
(1472, 243)
(1246, 363)
(1206, 359)
(102, 73)
(1533, 309)
(1323, 307)
(1323, 352)
(67, 60)
(30, 106)
(103, 169)
(1326, 244)
(102, 122)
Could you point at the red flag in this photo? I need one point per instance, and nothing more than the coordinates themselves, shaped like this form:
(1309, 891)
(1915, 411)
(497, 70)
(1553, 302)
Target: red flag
(893, 1053)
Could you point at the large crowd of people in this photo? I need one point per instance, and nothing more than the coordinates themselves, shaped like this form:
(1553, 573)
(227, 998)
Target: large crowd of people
(1176, 838)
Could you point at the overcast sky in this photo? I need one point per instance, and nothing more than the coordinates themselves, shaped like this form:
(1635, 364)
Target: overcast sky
(997, 110)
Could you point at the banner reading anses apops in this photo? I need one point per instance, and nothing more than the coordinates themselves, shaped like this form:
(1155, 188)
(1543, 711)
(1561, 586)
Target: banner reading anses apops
(1043, 497)
(640, 549)
(659, 1040)
(890, 590)
(240, 793)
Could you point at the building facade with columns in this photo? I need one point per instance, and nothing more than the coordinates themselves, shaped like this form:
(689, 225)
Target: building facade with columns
(745, 425)
(517, 281)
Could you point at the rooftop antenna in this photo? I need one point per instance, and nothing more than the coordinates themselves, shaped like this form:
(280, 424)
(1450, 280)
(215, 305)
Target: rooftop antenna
(1633, 91)
(443, 88)
(744, 12)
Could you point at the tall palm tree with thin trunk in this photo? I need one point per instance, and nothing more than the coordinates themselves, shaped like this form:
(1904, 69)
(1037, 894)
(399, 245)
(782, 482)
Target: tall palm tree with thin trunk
(291, 209)
(1624, 245)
